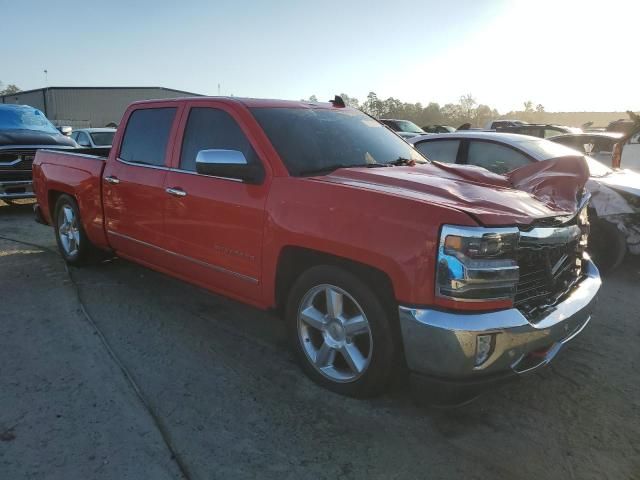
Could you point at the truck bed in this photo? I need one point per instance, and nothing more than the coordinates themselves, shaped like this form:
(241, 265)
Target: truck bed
(77, 173)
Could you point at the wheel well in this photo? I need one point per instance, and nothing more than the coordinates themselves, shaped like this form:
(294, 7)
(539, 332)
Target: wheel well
(293, 261)
(53, 196)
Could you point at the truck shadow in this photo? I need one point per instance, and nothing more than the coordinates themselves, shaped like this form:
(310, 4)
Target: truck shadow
(16, 208)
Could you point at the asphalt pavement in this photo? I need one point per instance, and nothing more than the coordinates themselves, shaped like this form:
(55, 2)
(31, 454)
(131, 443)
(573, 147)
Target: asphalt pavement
(115, 371)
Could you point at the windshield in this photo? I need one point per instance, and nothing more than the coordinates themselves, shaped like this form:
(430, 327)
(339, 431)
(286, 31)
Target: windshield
(313, 139)
(409, 127)
(102, 138)
(545, 149)
(25, 118)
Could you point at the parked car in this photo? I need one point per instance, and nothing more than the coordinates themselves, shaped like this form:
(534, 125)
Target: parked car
(404, 128)
(376, 257)
(614, 149)
(94, 137)
(623, 125)
(615, 202)
(495, 124)
(538, 130)
(438, 129)
(23, 129)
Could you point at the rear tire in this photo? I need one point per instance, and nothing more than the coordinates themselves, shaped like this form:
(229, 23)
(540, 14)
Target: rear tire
(341, 332)
(607, 245)
(73, 243)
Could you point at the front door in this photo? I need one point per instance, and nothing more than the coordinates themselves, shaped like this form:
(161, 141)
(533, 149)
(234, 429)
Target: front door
(214, 225)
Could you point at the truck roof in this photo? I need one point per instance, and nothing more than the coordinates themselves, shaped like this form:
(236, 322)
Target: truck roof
(248, 102)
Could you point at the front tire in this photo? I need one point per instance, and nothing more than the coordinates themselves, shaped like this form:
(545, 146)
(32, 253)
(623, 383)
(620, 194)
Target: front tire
(73, 243)
(341, 332)
(607, 245)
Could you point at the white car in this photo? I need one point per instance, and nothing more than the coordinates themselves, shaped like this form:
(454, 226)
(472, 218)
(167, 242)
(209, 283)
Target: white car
(615, 201)
(94, 137)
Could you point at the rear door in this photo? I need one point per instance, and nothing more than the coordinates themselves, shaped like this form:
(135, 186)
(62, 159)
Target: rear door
(133, 189)
(214, 225)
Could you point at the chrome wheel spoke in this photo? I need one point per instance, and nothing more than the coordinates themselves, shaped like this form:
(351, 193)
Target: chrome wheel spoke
(314, 318)
(357, 325)
(68, 215)
(329, 319)
(65, 242)
(335, 301)
(68, 231)
(325, 356)
(353, 357)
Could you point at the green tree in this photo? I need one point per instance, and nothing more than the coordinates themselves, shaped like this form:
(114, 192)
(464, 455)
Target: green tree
(373, 105)
(468, 107)
(350, 101)
(9, 90)
(483, 114)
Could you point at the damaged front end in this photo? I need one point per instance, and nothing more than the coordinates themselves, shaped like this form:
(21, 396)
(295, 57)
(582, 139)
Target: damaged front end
(616, 200)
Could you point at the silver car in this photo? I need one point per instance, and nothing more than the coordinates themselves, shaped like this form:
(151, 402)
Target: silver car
(94, 137)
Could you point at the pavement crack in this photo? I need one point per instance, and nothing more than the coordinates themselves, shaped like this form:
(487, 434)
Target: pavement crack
(164, 432)
(166, 436)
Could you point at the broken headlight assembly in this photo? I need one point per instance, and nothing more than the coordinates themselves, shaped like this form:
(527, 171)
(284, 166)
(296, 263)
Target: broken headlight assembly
(477, 265)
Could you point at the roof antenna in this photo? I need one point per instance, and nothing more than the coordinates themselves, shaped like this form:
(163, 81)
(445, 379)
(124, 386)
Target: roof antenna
(338, 102)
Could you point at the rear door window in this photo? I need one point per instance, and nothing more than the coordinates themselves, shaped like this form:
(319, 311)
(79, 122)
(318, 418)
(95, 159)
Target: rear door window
(552, 132)
(147, 135)
(495, 157)
(445, 151)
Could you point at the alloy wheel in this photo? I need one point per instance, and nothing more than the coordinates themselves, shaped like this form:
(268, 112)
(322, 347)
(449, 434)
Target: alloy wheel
(69, 231)
(334, 333)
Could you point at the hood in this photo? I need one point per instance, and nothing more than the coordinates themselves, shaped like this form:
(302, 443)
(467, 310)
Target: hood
(616, 194)
(32, 137)
(538, 191)
(625, 181)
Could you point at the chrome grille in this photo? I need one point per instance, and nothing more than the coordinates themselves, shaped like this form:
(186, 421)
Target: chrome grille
(16, 165)
(550, 264)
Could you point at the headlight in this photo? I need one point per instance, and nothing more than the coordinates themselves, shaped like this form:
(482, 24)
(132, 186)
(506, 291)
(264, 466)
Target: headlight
(477, 264)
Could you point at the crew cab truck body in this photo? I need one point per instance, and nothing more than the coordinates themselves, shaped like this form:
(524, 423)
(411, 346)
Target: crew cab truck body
(375, 257)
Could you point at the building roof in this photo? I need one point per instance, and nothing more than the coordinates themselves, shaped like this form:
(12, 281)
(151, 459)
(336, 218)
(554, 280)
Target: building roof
(99, 88)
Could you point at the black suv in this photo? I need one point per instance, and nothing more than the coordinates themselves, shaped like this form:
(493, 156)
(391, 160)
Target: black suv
(23, 130)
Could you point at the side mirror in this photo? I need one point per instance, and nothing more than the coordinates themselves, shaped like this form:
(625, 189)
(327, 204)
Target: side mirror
(228, 164)
(65, 130)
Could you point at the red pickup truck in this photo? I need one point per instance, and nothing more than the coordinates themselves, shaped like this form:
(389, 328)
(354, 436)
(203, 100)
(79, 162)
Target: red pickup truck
(380, 260)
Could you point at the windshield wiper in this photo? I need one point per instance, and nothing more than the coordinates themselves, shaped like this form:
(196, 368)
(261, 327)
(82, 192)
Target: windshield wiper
(403, 162)
(331, 168)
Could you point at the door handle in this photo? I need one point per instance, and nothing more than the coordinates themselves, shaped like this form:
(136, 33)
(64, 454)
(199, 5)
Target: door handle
(176, 192)
(112, 180)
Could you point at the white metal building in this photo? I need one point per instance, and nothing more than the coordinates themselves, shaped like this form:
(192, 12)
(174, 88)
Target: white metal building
(88, 106)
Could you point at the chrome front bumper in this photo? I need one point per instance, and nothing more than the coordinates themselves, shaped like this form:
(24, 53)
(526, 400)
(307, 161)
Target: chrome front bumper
(14, 189)
(443, 344)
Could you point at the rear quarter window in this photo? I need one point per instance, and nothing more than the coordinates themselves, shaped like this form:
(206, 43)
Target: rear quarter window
(445, 151)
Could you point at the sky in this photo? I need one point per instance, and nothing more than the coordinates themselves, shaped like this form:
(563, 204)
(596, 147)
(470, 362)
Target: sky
(566, 55)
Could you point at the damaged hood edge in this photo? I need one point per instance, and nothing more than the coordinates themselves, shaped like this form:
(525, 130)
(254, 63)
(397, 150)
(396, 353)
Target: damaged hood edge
(542, 190)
